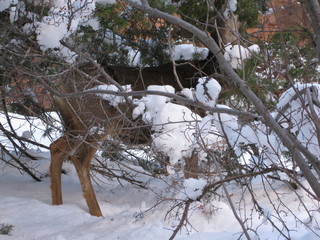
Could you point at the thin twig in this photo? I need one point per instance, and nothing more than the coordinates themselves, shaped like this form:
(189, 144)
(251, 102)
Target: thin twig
(183, 218)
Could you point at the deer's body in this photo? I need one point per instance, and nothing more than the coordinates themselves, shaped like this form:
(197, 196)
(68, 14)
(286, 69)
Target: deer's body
(90, 120)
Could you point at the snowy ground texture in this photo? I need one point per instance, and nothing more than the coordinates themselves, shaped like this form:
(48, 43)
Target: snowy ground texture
(25, 204)
(128, 212)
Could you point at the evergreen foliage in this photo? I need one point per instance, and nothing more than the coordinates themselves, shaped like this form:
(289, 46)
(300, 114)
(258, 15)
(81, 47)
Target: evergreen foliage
(6, 229)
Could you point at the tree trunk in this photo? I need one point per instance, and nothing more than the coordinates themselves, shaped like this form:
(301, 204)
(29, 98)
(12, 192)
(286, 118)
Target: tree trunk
(313, 8)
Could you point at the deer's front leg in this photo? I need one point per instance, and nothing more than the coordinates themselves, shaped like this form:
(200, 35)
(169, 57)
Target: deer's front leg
(59, 151)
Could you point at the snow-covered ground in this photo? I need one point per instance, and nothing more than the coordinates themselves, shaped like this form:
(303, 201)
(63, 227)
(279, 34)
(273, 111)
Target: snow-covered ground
(131, 212)
(134, 213)
(26, 204)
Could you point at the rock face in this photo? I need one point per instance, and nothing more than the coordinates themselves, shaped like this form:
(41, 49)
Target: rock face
(283, 15)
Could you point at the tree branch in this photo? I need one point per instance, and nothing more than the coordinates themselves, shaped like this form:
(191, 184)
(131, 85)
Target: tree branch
(313, 7)
(290, 142)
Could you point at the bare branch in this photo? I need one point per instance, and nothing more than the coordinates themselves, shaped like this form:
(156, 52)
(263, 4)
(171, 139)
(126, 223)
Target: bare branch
(183, 219)
(23, 166)
(177, 98)
(289, 141)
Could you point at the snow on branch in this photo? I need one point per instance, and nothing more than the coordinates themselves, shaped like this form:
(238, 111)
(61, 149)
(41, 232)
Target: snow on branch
(237, 54)
(64, 18)
(176, 128)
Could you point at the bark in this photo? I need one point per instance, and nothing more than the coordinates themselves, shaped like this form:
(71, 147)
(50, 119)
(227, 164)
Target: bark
(313, 8)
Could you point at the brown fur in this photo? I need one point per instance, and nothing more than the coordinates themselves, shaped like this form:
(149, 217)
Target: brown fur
(89, 120)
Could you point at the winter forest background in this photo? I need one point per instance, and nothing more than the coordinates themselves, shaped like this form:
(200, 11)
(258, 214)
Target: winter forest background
(230, 99)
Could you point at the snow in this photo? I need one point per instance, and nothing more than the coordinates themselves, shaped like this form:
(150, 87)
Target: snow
(237, 54)
(5, 4)
(231, 8)
(154, 212)
(188, 93)
(30, 128)
(175, 138)
(287, 96)
(193, 187)
(239, 136)
(179, 52)
(135, 213)
(302, 125)
(207, 91)
(176, 128)
(65, 17)
(49, 34)
(26, 205)
(106, 1)
(113, 99)
(188, 51)
(292, 112)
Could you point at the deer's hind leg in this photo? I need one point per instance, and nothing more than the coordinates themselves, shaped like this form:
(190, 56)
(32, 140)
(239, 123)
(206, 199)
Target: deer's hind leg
(59, 151)
(82, 161)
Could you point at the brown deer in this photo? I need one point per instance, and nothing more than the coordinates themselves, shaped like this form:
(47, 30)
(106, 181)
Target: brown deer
(89, 120)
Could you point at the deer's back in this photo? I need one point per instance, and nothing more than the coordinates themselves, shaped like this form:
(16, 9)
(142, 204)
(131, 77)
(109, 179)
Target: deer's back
(91, 114)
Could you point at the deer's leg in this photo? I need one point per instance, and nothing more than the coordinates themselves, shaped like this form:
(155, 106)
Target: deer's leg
(59, 151)
(191, 166)
(82, 161)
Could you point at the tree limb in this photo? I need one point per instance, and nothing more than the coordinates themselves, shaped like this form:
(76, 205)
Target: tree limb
(290, 142)
(313, 7)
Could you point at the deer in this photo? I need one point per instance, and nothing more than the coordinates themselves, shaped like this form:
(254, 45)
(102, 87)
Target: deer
(90, 120)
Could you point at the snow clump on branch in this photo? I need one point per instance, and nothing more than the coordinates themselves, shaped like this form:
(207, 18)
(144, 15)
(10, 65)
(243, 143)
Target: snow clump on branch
(299, 111)
(5, 4)
(113, 99)
(64, 18)
(237, 54)
(231, 8)
(177, 129)
(207, 91)
(193, 188)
